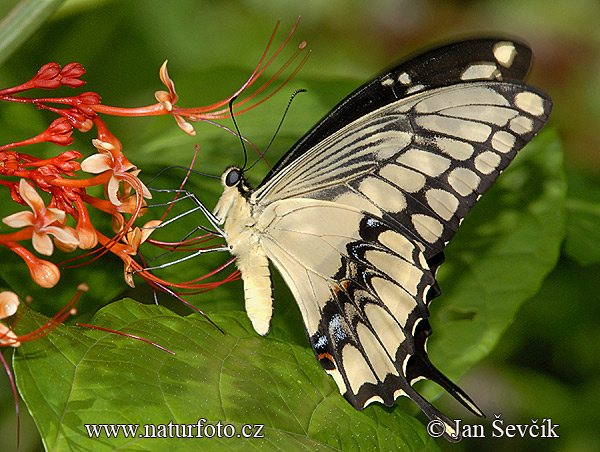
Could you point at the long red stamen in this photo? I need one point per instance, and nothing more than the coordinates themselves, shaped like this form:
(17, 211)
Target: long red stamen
(58, 318)
(133, 336)
(13, 387)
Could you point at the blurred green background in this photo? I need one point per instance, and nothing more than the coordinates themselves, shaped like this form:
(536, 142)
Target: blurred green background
(547, 365)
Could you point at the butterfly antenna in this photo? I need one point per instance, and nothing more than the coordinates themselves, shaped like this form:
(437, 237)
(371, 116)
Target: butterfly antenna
(189, 170)
(237, 129)
(278, 127)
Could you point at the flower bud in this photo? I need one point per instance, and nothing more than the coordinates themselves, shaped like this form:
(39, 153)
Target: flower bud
(71, 73)
(9, 303)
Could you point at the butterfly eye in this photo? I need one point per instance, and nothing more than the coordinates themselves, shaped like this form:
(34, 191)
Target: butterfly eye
(233, 177)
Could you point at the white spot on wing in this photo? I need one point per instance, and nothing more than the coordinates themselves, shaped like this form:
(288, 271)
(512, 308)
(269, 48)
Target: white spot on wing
(357, 369)
(486, 113)
(415, 89)
(480, 71)
(404, 78)
(397, 243)
(404, 273)
(398, 393)
(387, 82)
(457, 149)
(460, 128)
(423, 260)
(339, 380)
(384, 195)
(505, 52)
(357, 201)
(388, 143)
(503, 141)
(442, 202)
(376, 354)
(427, 227)
(530, 103)
(408, 180)
(400, 303)
(389, 332)
(406, 358)
(521, 125)
(372, 399)
(464, 181)
(426, 162)
(459, 95)
(414, 328)
(487, 162)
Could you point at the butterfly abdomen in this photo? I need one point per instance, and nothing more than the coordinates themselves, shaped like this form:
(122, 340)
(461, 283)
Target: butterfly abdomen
(254, 267)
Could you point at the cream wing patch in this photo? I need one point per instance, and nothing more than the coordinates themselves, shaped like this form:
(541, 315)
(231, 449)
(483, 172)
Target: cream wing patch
(463, 181)
(405, 179)
(442, 202)
(426, 162)
(384, 195)
(505, 52)
(428, 227)
(397, 300)
(389, 332)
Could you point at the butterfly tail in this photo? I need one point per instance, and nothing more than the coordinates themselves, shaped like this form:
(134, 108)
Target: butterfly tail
(420, 366)
(450, 432)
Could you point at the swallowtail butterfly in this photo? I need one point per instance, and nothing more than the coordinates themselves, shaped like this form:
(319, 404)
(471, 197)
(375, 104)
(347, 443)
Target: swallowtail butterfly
(356, 215)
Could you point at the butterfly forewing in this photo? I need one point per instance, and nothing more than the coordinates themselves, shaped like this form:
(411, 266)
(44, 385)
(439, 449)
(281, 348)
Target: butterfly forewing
(355, 217)
(477, 59)
(421, 162)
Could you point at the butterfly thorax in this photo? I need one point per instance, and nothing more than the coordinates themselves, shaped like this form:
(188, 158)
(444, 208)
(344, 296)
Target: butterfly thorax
(236, 214)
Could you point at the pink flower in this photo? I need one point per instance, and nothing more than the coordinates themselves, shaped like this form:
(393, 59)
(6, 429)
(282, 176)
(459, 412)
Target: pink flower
(9, 303)
(44, 220)
(111, 159)
(168, 99)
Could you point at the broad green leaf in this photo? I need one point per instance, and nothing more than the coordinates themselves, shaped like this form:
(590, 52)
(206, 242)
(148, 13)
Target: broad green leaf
(583, 238)
(77, 376)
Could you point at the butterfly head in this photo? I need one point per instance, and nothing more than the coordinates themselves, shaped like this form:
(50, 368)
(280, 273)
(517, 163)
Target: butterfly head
(233, 177)
(235, 192)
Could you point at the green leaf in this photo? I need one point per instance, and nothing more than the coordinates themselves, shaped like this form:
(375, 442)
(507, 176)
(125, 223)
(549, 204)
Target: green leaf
(583, 227)
(583, 239)
(77, 376)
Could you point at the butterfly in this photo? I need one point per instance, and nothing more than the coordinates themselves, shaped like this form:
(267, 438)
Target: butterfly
(356, 215)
